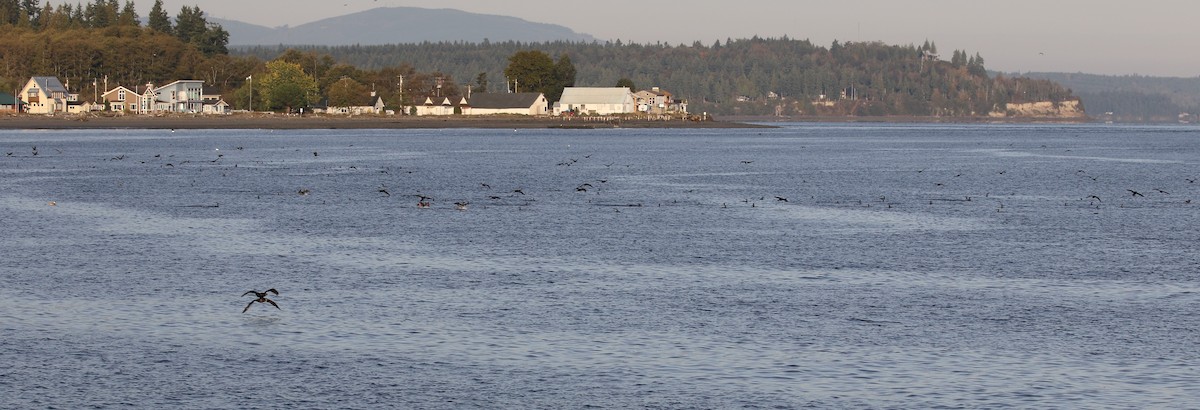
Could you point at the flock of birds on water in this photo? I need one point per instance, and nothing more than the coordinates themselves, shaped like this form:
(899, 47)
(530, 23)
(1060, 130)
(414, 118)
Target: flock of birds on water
(424, 201)
(427, 202)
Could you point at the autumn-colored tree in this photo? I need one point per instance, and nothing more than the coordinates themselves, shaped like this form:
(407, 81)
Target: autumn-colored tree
(347, 92)
(286, 86)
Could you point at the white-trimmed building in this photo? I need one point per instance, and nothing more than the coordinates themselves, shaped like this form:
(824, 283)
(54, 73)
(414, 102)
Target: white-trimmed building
(596, 101)
(534, 104)
(121, 99)
(183, 96)
(441, 105)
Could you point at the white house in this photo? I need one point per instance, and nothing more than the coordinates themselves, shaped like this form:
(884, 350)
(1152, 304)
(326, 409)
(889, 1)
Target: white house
(441, 105)
(374, 107)
(183, 96)
(216, 107)
(596, 101)
(508, 103)
(44, 95)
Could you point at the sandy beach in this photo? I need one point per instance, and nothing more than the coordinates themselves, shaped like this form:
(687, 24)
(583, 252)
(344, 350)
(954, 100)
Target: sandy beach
(280, 121)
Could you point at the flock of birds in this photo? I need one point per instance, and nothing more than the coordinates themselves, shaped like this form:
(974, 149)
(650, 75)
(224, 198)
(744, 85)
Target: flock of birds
(427, 202)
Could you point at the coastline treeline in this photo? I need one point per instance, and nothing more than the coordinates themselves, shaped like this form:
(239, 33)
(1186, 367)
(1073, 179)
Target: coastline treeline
(756, 76)
(99, 45)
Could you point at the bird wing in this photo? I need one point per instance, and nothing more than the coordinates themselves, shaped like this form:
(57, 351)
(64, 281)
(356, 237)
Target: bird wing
(252, 291)
(248, 306)
(272, 290)
(272, 302)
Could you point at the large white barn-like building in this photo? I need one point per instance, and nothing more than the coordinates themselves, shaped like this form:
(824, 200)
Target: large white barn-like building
(596, 101)
(508, 103)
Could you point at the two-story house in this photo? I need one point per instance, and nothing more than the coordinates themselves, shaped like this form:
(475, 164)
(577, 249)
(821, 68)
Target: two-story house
(44, 95)
(183, 96)
(121, 99)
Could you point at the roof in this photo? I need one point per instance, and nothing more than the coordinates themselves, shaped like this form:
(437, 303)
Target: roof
(595, 95)
(50, 84)
(503, 100)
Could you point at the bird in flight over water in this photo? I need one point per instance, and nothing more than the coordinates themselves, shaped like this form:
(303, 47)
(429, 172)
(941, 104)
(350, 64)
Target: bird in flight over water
(262, 298)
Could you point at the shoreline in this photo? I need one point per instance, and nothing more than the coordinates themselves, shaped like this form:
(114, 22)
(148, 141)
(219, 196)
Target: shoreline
(286, 122)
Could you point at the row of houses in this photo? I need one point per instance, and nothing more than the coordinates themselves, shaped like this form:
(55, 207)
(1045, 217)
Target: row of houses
(47, 95)
(574, 101)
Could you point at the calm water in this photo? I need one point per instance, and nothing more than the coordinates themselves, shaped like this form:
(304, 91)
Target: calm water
(910, 267)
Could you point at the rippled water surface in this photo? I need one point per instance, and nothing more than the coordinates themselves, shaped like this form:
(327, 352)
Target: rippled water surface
(910, 266)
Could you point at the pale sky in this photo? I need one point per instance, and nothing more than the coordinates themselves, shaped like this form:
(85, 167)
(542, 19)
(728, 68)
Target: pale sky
(1147, 37)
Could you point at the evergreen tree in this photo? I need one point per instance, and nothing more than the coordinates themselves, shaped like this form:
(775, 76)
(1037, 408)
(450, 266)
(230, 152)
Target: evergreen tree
(128, 16)
(627, 83)
(159, 20)
(481, 83)
(564, 76)
(214, 40)
(189, 24)
(32, 10)
(531, 70)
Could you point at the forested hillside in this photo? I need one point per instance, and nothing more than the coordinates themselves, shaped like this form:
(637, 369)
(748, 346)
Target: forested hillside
(82, 44)
(752, 76)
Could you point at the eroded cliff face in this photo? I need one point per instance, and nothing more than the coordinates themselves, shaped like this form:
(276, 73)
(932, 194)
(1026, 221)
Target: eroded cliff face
(1042, 109)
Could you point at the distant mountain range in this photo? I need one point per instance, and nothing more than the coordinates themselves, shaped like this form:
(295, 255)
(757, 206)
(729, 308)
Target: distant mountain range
(392, 25)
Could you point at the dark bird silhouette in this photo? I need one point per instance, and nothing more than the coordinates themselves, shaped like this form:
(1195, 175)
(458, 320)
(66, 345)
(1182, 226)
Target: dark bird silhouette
(519, 191)
(384, 190)
(462, 206)
(315, 153)
(747, 162)
(423, 202)
(1162, 192)
(1095, 197)
(1134, 193)
(781, 199)
(261, 298)
(303, 191)
(485, 185)
(583, 187)
(1189, 180)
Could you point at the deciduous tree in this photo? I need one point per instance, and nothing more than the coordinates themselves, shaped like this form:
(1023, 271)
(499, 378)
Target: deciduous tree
(286, 86)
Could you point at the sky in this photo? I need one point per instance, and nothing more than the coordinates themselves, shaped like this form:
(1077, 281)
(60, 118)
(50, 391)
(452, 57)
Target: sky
(1115, 37)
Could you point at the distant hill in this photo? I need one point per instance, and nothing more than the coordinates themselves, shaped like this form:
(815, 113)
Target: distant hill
(1131, 98)
(393, 25)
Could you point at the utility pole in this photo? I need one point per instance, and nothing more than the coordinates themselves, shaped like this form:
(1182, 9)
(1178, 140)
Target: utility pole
(250, 78)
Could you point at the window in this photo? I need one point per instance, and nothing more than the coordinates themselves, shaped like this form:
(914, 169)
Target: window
(121, 95)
